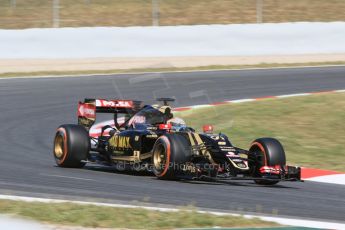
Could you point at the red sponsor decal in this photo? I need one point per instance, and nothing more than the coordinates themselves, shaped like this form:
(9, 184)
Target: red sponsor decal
(114, 104)
(270, 169)
(86, 110)
(164, 126)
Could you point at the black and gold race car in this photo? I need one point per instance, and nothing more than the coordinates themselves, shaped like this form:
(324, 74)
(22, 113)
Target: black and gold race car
(149, 137)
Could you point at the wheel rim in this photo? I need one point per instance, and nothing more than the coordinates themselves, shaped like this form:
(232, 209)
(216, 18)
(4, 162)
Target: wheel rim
(159, 158)
(59, 146)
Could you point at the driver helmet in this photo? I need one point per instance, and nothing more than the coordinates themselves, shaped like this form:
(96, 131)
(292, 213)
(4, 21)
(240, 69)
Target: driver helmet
(177, 124)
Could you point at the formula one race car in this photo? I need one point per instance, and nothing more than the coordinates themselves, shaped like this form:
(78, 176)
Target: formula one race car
(150, 138)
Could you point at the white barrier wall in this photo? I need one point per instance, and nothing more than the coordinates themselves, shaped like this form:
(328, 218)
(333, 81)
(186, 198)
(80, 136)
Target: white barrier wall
(204, 40)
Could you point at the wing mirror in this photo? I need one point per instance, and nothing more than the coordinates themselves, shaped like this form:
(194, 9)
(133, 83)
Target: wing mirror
(207, 129)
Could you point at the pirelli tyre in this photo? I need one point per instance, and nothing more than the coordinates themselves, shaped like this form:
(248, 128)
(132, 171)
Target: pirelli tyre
(170, 152)
(266, 152)
(71, 146)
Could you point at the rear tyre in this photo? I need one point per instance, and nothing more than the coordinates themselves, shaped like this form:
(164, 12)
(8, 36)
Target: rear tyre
(71, 146)
(266, 152)
(169, 153)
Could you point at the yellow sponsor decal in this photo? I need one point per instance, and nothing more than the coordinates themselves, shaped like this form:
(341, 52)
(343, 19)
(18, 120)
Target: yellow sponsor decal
(152, 136)
(120, 142)
(189, 168)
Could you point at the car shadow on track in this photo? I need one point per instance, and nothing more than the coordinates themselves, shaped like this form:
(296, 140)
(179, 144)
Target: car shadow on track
(235, 183)
(112, 169)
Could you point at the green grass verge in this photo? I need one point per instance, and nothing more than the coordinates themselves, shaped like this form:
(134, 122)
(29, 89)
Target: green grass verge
(213, 67)
(311, 128)
(81, 13)
(129, 218)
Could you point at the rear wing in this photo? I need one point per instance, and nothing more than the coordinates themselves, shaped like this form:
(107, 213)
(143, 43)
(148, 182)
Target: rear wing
(88, 109)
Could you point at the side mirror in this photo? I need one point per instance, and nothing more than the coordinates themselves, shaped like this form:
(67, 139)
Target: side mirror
(207, 128)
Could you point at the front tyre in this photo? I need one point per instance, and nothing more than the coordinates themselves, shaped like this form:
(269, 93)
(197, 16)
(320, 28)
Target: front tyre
(266, 152)
(169, 153)
(71, 146)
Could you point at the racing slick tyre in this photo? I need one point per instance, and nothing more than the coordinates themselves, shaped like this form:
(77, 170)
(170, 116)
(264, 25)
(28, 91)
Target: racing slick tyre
(71, 146)
(266, 152)
(169, 152)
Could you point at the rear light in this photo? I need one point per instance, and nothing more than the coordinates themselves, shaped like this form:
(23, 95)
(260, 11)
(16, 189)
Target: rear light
(207, 129)
(164, 126)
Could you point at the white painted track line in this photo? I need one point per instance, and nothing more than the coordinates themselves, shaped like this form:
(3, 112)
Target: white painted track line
(280, 220)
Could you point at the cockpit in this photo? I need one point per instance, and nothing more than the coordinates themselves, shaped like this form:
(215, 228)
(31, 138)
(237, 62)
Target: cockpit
(150, 115)
(153, 116)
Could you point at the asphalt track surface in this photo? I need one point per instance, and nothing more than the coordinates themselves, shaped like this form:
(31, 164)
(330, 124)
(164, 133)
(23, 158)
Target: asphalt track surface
(32, 109)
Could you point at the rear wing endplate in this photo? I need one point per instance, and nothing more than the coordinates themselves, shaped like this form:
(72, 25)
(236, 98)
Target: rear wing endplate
(87, 110)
